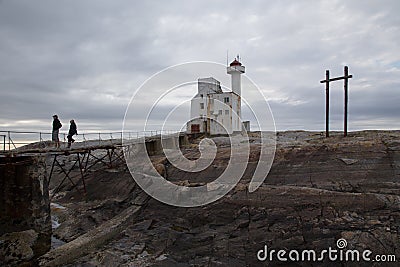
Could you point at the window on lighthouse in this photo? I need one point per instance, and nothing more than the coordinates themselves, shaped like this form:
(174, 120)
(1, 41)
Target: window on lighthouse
(226, 99)
(201, 105)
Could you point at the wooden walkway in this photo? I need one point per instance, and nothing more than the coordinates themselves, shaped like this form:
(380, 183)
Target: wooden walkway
(82, 157)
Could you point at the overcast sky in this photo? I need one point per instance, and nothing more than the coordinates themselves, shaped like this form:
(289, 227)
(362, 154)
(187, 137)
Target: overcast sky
(85, 59)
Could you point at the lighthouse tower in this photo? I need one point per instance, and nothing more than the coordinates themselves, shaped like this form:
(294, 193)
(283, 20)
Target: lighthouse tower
(236, 69)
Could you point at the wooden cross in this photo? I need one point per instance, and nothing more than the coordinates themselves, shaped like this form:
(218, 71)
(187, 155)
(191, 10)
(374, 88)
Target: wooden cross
(346, 78)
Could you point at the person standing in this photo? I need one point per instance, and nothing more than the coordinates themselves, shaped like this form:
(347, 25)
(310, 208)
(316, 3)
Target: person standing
(56, 128)
(72, 131)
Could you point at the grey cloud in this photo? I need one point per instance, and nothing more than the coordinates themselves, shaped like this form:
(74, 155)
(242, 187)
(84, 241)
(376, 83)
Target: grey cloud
(84, 59)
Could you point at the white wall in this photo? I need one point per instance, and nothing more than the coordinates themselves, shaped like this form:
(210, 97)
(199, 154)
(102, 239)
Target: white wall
(225, 117)
(208, 86)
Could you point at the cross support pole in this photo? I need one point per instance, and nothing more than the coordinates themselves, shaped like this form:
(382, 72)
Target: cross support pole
(327, 80)
(346, 98)
(327, 104)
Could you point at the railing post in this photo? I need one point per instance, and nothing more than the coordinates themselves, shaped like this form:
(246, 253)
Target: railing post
(84, 139)
(9, 141)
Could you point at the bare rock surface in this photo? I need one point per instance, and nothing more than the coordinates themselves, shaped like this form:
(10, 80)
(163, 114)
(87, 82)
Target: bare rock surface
(318, 191)
(17, 247)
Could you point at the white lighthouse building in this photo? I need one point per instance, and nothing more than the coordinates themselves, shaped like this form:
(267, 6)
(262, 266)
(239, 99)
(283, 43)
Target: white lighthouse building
(214, 111)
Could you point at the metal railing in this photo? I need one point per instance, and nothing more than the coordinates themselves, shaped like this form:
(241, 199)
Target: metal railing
(16, 139)
(4, 141)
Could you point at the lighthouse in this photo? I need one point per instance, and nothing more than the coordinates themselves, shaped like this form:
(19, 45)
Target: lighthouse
(235, 69)
(214, 111)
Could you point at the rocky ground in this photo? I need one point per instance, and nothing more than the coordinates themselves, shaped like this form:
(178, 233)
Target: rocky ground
(318, 191)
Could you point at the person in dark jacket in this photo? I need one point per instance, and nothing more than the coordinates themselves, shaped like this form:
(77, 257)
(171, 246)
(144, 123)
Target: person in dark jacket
(72, 131)
(56, 128)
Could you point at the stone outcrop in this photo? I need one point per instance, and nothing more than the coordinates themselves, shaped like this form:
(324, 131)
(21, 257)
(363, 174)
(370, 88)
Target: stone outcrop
(25, 224)
(318, 191)
(17, 247)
